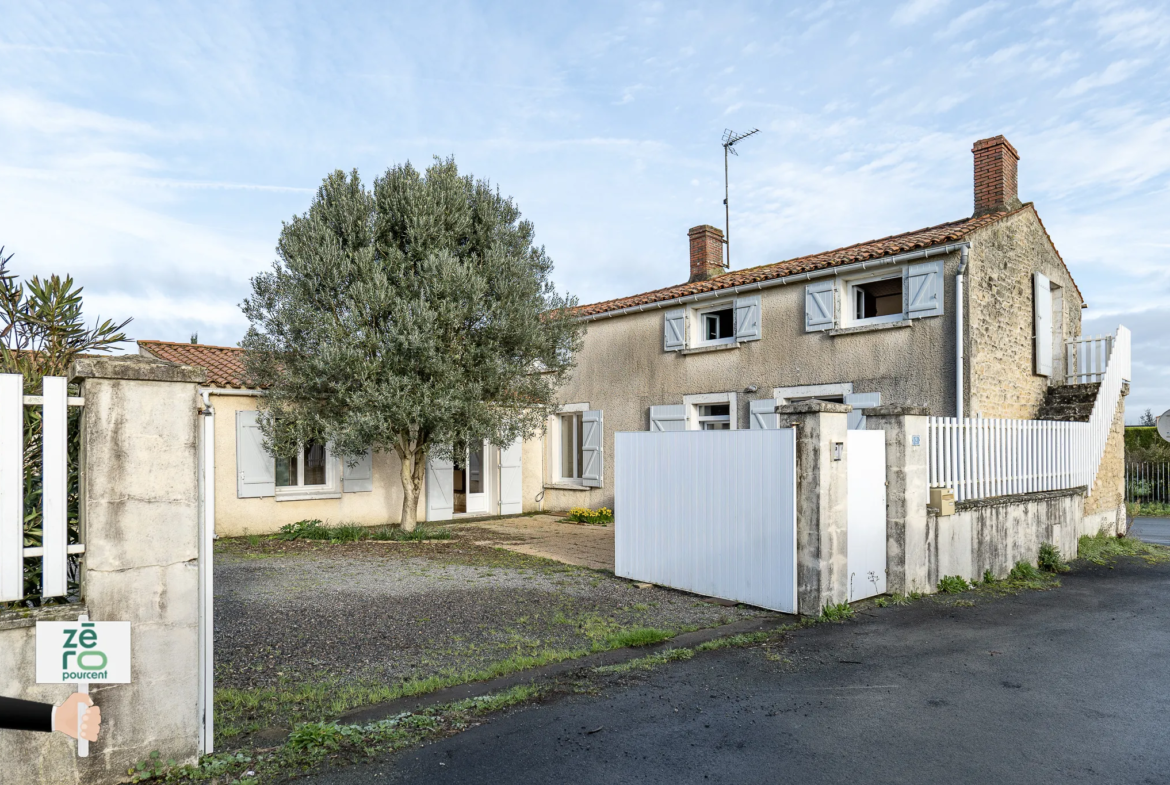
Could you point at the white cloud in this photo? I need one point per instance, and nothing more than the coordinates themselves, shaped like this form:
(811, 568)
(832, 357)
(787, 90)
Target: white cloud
(1114, 73)
(915, 10)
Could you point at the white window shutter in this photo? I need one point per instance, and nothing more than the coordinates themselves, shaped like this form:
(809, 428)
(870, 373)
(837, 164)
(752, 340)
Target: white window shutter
(763, 415)
(358, 477)
(1042, 298)
(668, 418)
(747, 318)
(511, 479)
(675, 332)
(255, 466)
(820, 306)
(440, 490)
(860, 402)
(924, 290)
(592, 448)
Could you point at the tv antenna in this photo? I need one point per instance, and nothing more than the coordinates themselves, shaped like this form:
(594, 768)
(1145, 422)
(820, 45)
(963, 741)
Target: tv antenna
(729, 139)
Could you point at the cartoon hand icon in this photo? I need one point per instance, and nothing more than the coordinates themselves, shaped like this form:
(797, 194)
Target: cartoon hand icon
(65, 717)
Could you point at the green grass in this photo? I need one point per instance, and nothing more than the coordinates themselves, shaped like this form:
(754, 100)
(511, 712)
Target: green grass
(642, 636)
(1148, 509)
(1050, 559)
(314, 529)
(1104, 548)
(648, 662)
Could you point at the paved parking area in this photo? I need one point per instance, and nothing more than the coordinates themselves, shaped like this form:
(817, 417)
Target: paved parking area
(548, 537)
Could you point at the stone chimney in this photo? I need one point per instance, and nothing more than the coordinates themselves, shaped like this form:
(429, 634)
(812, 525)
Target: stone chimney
(995, 176)
(706, 252)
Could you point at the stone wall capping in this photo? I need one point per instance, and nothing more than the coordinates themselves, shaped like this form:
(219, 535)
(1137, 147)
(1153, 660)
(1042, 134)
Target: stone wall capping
(898, 410)
(135, 367)
(812, 407)
(1019, 498)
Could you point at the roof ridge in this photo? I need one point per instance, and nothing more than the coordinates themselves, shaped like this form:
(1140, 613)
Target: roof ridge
(189, 345)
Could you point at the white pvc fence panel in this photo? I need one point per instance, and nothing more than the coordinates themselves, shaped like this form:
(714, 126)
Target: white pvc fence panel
(980, 458)
(1086, 358)
(55, 547)
(710, 512)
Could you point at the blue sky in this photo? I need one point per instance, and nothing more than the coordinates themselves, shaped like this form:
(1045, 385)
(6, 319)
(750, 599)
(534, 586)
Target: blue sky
(153, 150)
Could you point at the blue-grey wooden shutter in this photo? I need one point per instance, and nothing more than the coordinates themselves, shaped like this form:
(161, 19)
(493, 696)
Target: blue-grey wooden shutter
(592, 446)
(674, 335)
(860, 402)
(511, 479)
(747, 318)
(763, 415)
(924, 292)
(668, 418)
(1042, 298)
(255, 466)
(820, 306)
(359, 476)
(440, 491)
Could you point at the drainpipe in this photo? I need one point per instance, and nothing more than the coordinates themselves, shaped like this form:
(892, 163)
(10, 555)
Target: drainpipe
(959, 329)
(206, 549)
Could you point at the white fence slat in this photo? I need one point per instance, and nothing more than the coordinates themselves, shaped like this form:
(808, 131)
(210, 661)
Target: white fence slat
(54, 476)
(11, 487)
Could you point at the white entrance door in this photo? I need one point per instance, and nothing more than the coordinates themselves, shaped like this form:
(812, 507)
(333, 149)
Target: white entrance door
(469, 481)
(866, 483)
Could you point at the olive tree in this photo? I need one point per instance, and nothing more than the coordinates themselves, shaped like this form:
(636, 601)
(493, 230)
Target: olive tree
(416, 317)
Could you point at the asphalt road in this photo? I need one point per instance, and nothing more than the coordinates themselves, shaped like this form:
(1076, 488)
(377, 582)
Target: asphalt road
(1070, 685)
(1155, 530)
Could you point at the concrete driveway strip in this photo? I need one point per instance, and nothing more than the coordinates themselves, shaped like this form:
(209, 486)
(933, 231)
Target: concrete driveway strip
(1155, 530)
(1070, 686)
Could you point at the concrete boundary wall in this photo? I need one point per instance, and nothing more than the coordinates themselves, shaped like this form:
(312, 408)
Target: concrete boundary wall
(140, 525)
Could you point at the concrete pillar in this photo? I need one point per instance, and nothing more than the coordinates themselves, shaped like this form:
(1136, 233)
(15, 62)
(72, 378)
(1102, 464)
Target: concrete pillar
(140, 502)
(822, 536)
(908, 537)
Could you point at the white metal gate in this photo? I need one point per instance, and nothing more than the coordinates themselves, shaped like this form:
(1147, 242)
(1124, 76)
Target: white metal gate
(866, 481)
(710, 512)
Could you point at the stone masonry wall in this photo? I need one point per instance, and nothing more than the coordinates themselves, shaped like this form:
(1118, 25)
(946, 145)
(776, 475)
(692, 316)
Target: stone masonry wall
(1109, 488)
(999, 316)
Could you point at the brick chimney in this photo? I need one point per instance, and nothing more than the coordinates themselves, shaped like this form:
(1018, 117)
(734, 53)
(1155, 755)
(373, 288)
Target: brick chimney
(706, 252)
(995, 176)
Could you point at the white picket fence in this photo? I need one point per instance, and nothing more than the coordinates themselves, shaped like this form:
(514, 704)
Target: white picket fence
(1087, 358)
(55, 547)
(978, 458)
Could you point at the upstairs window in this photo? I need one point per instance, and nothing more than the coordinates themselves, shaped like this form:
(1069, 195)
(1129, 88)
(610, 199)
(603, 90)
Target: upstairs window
(718, 325)
(880, 299)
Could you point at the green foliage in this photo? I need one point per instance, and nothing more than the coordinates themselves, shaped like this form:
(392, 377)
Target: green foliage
(1024, 571)
(953, 584)
(1144, 445)
(1050, 559)
(988, 577)
(414, 318)
(1148, 509)
(839, 612)
(420, 534)
(42, 331)
(1104, 548)
(309, 529)
(642, 636)
(153, 767)
(586, 515)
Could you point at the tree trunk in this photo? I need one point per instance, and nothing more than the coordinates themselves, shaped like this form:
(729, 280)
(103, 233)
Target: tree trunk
(413, 459)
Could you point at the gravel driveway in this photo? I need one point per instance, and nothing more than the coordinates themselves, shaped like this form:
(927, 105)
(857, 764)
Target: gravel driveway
(302, 611)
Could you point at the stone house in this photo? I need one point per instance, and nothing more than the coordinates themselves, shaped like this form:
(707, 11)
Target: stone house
(965, 318)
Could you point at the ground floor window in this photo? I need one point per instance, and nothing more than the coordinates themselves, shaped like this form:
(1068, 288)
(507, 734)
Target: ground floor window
(571, 440)
(308, 467)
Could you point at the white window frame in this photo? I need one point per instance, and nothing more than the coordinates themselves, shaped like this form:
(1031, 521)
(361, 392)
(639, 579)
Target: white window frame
(850, 307)
(809, 391)
(693, 402)
(330, 490)
(697, 314)
(555, 464)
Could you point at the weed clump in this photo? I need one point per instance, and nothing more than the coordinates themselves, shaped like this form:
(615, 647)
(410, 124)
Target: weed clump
(1050, 559)
(1104, 548)
(953, 584)
(842, 611)
(642, 636)
(988, 577)
(1025, 573)
(314, 529)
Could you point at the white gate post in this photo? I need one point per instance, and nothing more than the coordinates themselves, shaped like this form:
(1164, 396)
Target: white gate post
(907, 494)
(822, 563)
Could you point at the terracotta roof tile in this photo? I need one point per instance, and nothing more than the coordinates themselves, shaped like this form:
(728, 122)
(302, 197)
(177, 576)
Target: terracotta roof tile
(873, 249)
(224, 364)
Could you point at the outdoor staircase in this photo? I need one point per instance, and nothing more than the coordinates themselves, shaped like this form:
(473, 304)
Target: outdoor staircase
(1069, 402)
